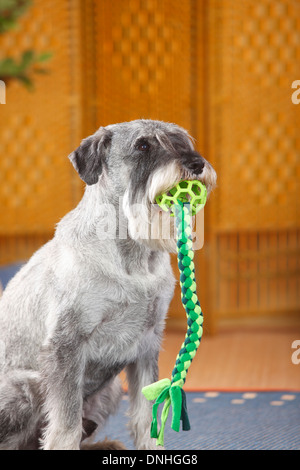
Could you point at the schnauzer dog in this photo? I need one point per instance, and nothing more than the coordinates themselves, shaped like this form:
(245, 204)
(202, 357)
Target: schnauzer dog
(87, 306)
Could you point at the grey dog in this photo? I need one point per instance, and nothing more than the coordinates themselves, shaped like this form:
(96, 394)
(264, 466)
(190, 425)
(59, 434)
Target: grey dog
(85, 307)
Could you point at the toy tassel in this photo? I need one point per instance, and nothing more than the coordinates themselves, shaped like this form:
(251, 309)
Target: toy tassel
(168, 391)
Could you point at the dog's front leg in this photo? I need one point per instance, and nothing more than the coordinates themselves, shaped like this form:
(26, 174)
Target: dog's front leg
(139, 374)
(62, 376)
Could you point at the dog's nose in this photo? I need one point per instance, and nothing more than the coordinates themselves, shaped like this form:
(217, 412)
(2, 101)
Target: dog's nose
(193, 162)
(196, 167)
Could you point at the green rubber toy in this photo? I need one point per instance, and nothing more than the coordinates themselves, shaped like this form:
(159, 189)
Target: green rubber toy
(187, 192)
(184, 200)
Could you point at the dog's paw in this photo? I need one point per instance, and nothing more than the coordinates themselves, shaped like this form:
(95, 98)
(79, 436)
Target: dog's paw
(103, 445)
(149, 444)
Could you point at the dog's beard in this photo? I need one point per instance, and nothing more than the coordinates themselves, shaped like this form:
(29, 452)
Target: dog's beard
(147, 223)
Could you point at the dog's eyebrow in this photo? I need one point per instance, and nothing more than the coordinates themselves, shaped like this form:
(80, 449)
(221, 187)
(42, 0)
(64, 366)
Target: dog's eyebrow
(165, 142)
(173, 141)
(141, 139)
(138, 141)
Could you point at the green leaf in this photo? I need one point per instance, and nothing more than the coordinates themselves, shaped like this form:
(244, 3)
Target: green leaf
(44, 56)
(27, 59)
(22, 69)
(40, 70)
(8, 66)
(10, 11)
(26, 81)
(6, 25)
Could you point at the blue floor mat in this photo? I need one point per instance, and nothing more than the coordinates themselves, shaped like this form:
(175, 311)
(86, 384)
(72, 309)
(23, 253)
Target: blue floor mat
(227, 420)
(8, 272)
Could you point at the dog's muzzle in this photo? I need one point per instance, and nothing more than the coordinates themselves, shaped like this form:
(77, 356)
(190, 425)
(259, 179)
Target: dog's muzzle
(195, 167)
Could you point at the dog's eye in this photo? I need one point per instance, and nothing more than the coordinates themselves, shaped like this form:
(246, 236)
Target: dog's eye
(143, 146)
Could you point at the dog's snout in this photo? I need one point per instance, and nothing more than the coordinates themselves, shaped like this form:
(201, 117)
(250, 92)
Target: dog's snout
(196, 166)
(193, 162)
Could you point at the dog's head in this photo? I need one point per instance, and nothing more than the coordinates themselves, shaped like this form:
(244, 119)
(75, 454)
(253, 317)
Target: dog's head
(137, 161)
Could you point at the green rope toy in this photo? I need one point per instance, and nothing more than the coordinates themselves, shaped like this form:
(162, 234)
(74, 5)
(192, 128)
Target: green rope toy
(184, 201)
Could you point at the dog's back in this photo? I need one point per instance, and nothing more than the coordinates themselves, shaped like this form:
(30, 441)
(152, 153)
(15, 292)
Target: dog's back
(23, 311)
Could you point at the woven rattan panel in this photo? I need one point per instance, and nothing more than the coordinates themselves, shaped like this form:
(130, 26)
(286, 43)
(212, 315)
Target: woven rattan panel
(38, 129)
(253, 58)
(258, 273)
(144, 60)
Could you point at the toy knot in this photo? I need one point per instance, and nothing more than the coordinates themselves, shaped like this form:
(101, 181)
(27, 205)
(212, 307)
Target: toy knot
(173, 396)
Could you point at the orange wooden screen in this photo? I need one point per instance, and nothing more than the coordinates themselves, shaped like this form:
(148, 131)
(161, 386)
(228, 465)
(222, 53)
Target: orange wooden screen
(38, 130)
(253, 57)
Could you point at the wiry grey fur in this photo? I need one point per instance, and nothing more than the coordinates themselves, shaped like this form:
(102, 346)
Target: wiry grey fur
(82, 309)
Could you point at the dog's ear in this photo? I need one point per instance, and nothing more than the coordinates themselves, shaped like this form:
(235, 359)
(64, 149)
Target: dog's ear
(88, 159)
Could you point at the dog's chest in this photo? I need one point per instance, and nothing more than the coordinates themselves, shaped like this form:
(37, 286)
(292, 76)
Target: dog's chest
(132, 321)
(119, 341)
(122, 328)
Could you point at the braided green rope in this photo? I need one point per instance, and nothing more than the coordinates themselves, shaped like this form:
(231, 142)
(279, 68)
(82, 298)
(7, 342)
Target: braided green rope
(185, 200)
